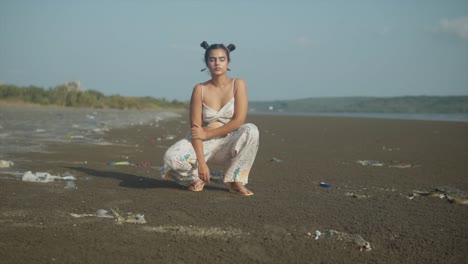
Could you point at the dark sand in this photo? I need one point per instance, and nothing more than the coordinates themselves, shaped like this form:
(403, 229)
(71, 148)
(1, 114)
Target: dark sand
(215, 226)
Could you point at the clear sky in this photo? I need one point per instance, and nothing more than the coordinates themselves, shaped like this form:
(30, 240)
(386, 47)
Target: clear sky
(285, 49)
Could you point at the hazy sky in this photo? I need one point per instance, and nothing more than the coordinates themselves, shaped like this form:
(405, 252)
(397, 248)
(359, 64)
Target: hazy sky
(285, 49)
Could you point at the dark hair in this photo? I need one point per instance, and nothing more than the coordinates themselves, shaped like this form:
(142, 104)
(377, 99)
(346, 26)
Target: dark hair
(209, 48)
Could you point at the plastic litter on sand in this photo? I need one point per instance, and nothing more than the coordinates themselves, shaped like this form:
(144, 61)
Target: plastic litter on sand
(39, 177)
(360, 242)
(358, 196)
(450, 194)
(392, 164)
(6, 163)
(370, 163)
(118, 217)
(119, 163)
(276, 160)
(44, 177)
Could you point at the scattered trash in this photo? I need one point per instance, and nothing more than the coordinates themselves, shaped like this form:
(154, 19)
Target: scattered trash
(392, 164)
(70, 184)
(361, 243)
(6, 164)
(119, 163)
(75, 137)
(104, 213)
(325, 185)
(170, 137)
(403, 165)
(452, 195)
(39, 177)
(69, 181)
(384, 148)
(195, 231)
(144, 164)
(276, 160)
(44, 177)
(370, 163)
(358, 196)
(119, 219)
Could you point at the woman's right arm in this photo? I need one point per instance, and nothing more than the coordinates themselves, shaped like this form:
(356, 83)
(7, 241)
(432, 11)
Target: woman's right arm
(196, 106)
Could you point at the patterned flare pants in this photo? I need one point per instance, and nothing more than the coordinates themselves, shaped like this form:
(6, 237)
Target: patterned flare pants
(236, 151)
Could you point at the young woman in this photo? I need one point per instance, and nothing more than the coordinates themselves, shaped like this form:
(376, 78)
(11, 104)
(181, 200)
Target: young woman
(219, 134)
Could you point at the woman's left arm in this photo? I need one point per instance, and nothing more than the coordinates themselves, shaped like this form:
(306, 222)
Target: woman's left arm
(240, 112)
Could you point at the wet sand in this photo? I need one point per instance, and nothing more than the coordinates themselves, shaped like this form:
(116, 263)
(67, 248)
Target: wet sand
(215, 226)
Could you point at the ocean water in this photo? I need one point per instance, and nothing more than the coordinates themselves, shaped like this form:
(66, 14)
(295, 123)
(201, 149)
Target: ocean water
(455, 117)
(31, 128)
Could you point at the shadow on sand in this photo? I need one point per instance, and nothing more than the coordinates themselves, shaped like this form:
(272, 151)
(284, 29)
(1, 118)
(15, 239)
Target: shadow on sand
(135, 181)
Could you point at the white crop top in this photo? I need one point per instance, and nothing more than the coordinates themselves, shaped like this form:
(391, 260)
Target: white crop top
(223, 115)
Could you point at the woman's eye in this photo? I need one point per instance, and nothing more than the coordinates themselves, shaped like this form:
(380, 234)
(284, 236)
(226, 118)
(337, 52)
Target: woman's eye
(212, 59)
(222, 59)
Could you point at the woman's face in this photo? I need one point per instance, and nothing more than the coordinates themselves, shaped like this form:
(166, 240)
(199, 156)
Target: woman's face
(218, 62)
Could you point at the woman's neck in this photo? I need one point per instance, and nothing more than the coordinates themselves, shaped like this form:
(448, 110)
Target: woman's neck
(220, 81)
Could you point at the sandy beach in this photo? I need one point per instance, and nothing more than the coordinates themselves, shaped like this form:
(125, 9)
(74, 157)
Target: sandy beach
(369, 170)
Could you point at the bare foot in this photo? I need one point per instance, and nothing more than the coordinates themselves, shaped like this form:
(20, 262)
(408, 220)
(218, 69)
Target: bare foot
(239, 188)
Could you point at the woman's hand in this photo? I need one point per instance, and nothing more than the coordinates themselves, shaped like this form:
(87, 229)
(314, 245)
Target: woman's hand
(204, 172)
(198, 132)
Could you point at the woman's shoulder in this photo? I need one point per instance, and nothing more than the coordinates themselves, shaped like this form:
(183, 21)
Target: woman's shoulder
(238, 82)
(198, 86)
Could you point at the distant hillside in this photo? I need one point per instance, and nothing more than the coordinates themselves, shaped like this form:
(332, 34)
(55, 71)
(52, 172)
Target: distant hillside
(404, 104)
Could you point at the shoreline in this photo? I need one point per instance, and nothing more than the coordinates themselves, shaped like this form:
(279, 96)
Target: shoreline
(446, 117)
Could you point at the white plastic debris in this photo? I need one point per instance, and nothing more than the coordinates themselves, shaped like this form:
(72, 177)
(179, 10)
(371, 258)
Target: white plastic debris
(39, 177)
(317, 234)
(69, 184)
(358, 196)
(119, 219)
(104, 213)
(6, 163)
(44, 177)
(452, 195)
(69, 178)
(370, 163)
(362, 244)
(402, 166)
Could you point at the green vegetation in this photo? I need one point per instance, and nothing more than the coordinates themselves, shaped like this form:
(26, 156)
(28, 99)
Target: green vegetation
(404, 104)
(71, 95)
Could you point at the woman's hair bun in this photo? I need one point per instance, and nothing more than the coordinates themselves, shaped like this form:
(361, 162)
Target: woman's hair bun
(231, 47)
(204, 45)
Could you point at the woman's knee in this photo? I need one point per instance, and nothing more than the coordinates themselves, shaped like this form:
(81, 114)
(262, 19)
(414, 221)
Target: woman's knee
(177, 154)
(250, 129)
